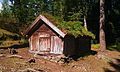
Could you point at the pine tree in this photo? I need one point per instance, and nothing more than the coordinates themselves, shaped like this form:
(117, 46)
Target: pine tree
(102, 26)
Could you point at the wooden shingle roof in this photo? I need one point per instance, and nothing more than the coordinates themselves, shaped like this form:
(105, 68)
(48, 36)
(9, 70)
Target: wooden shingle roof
(37, 23)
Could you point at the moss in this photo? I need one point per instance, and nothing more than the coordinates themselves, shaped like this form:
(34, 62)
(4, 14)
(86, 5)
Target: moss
(75, 28)
(72, 27)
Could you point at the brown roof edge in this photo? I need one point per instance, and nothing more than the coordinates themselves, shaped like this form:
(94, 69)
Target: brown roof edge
(50, 24)
(31, 26)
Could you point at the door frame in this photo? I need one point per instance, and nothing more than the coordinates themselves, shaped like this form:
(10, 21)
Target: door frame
(47, 49)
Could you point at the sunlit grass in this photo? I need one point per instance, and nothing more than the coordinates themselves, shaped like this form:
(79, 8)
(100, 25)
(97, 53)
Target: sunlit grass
(8, 43)
(95, 46)
(5, 32)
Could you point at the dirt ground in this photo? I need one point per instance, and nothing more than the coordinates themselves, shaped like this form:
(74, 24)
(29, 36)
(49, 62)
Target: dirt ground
(110, 62)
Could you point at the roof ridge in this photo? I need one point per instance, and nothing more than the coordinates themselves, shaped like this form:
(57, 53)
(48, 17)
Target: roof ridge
(47, 22)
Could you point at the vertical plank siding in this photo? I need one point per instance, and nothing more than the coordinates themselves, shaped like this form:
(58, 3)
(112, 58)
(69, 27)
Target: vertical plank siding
(44, 44)
(52, 44)
(45, 40)
(34, 43)
(56, 45)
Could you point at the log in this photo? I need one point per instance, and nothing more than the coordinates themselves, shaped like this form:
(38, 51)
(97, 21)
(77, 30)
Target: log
(15, 56)
(30, 70)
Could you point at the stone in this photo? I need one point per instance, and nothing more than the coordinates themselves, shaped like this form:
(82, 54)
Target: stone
(31, 60)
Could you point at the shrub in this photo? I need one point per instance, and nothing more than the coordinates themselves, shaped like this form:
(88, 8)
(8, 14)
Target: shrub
(23, 41)
(115, 46)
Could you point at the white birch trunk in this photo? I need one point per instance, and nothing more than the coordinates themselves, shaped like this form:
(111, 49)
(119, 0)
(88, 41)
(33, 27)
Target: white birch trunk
(85, 23)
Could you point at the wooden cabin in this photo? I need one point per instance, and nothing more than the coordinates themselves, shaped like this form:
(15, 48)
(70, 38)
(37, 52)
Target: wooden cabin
(45, 38)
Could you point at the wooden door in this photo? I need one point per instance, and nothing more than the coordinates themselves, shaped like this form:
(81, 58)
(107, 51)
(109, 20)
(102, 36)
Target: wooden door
(44, 44)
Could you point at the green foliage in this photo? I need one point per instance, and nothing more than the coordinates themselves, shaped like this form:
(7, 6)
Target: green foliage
(96, 46)
(75, 28)
(115, 46)
(75, 10)
(6, 9)
(25, 11)
(23, 41)
(58, 8)
(75, 16)
(8, 43)
(6, 35)
(7, 19)
(71, 27)
(54, 19)
(6, 15)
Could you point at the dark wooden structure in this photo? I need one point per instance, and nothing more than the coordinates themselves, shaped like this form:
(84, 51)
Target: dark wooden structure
(46, 38)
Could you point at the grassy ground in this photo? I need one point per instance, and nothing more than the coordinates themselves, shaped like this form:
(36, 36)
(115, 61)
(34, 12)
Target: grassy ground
(6, 32)
(8, 39)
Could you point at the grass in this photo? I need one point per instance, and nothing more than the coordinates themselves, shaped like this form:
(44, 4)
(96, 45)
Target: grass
(8, 43)
(7, 35)
(95, 46)
(5, 32)
(8, 39)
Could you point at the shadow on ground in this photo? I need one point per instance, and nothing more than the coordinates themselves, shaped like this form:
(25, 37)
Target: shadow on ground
(12, 49)
(16, 46)
(115, 65)
(76, 57)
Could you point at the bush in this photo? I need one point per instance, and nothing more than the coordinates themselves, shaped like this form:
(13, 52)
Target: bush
(23, 41)
(115, 46)
(12, 27)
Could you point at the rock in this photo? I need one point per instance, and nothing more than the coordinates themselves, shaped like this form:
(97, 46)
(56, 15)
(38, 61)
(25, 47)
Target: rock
(74, 66)
(13, 70)
(32, 60)
(12, 51)
(40, 70)
(1, 51)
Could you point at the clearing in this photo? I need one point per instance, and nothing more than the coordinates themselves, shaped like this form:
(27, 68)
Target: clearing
(91, 63)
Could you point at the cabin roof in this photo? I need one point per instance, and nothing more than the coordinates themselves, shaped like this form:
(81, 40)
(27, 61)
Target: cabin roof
(37, 23)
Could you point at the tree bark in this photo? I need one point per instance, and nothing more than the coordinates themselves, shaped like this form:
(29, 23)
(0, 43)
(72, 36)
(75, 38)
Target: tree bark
(85, 23)
(101, 28)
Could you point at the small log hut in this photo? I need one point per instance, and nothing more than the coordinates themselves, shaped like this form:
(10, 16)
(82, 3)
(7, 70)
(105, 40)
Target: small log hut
(45, 38)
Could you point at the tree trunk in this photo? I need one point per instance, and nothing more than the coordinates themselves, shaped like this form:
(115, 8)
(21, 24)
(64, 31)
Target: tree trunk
(85, 23)
(101, 28)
